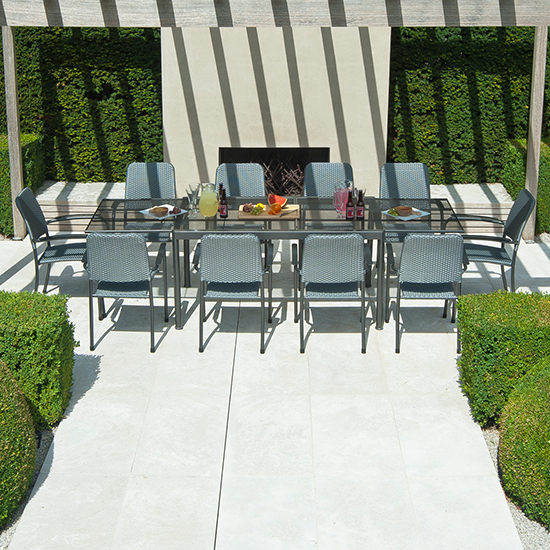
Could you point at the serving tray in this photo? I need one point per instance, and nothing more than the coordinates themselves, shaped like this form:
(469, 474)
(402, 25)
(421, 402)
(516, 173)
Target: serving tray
(289, 212)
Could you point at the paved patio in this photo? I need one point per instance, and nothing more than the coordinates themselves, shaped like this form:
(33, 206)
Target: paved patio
(233, 450)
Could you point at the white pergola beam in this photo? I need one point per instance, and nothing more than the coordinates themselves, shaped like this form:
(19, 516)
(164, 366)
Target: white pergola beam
(269, 13)
(535, 121)
(14, 131)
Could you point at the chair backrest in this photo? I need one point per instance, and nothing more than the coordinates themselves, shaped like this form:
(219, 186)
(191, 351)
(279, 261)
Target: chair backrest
(404, 180)
(32, 214)
(321, 177)
(518, 215)
(150, 180)
(117, 257)
(333, 258)
(244, 179)
(430, 259)
(233, 258)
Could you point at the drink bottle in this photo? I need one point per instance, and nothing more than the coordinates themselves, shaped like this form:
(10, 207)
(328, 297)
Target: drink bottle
(350, 208)
(360, 209)
(223, 204)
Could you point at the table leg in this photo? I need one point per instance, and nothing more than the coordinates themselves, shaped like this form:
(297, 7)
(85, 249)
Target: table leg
(177, 280)
(186, 262)
(380, 285)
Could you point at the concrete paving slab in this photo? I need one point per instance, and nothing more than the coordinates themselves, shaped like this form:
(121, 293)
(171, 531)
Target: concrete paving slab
(229, 449)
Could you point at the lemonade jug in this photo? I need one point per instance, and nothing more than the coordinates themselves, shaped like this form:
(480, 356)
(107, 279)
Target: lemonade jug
(208, 204)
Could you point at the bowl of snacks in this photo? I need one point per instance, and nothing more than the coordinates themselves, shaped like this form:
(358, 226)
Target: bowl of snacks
(404, 210)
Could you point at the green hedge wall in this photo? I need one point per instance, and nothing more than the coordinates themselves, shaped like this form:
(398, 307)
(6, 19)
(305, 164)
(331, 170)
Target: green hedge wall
(95, 97)
(17, 445)
(37, 345)
(513, 178)
(457, 95)
(524, 449)
(503, 336)
(33, 175)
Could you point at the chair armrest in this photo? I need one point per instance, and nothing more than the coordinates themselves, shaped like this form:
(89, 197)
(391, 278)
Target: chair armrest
(469, 217)
(294, 256)
(73, 217)
(61, 237)
(268, 257)
(196, 258)
(367, 254)
(493, 238)
(391, 257)
(161, 255)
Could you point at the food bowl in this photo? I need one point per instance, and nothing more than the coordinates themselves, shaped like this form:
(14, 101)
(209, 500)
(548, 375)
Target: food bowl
(159, 211)
(404, 210)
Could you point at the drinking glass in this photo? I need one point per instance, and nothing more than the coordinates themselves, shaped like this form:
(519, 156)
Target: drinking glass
(340, 198)
(193, 196)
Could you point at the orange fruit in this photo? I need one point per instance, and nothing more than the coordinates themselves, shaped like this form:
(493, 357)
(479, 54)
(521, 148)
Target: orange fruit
(276, 208)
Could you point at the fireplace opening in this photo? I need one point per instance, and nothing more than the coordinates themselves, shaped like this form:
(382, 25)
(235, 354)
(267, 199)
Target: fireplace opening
(283, 166)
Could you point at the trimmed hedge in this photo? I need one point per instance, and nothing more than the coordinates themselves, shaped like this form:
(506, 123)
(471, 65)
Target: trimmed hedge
(33, 175)
(503, 336)
(513, 178)
(457, 95)
(17, 446)
(37, 345)
(94, 94)
(524, 449)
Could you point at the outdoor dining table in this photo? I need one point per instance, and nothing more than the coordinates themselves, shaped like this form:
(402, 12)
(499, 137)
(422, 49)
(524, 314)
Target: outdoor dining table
(316, 215)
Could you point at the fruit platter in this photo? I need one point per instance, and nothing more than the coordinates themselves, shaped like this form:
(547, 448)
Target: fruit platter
(163, 211)
(277, 207)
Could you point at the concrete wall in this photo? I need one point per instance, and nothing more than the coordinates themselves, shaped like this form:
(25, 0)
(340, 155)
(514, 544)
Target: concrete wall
(275, 87)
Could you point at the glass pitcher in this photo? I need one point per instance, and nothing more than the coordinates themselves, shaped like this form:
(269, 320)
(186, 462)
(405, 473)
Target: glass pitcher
(208, 203)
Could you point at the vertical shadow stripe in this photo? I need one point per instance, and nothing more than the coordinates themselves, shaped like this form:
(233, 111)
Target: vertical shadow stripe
(190, 103)
(372, 91)
(109, 11)
(337, 13)
(53, 13)
(281, 15)
(224, 16)
(261, 86)
(225, 87)
(295, 86)
(167, 17)
(335, 94)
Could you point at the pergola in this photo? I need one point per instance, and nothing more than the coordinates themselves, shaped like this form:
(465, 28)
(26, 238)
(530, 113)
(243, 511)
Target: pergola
(275, 13)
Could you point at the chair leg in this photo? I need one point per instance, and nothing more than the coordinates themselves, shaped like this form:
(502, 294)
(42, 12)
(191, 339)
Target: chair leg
(388, 280)
(504, 279)
(201, 316)
(262, 319)
(270, 297)
(47, 279)
(152, 316)
(301, 316)
(445, 307)
(36, 275)
(397, 312)
(165, 284)
(91, 314)
(363, 315)
(101, 308)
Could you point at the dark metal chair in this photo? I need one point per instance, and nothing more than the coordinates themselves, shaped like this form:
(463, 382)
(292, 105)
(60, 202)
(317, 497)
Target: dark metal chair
(118, 267)
(37, 228)
(246, 179)
(431, 267)
(511, 235)
(401, 180)
(320, 178)
(231, 269)
(150, 180)
(333, 267)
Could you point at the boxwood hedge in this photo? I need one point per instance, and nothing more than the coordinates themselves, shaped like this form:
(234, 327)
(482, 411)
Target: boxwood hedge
(37, 345)
(503, 336)
(17, 445)
(524, 449)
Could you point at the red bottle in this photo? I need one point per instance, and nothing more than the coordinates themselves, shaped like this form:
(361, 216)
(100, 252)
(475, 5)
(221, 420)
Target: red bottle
(223, 205)
(350, 208)
(360, 208)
